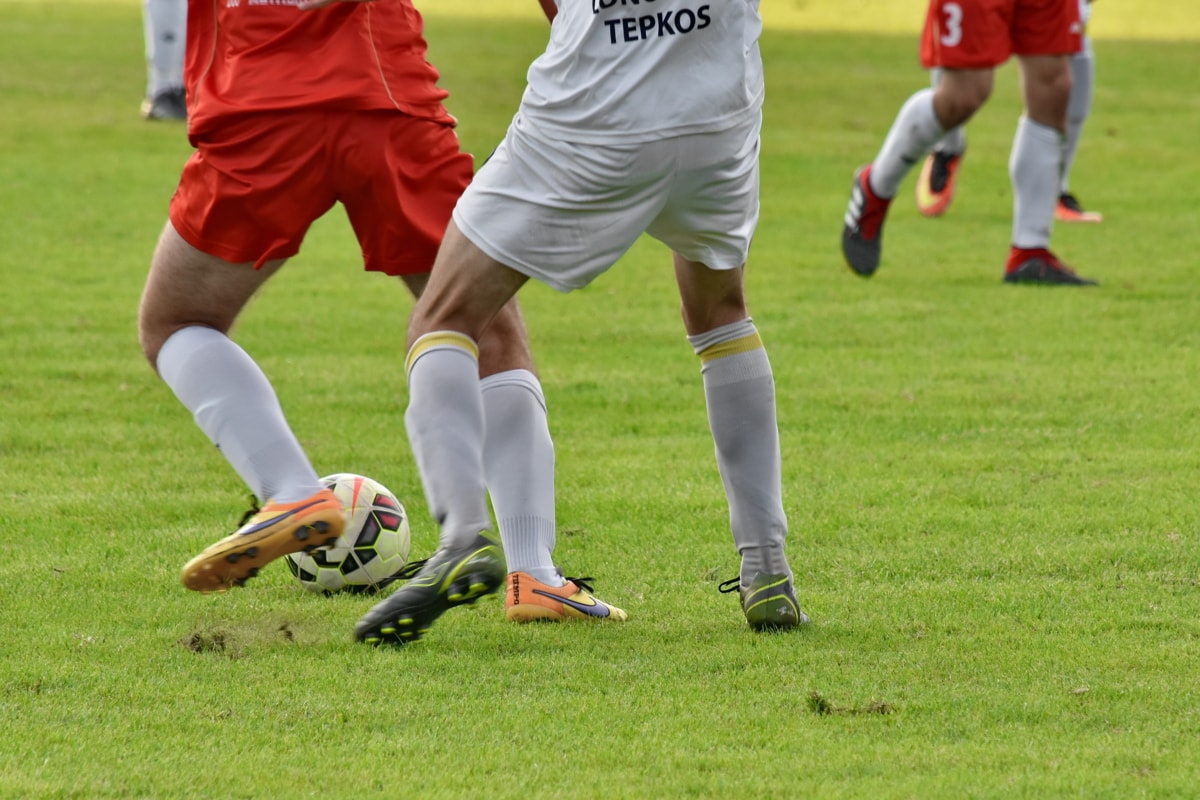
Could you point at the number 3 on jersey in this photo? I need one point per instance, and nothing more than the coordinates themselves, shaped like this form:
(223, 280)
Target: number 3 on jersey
(952, 32)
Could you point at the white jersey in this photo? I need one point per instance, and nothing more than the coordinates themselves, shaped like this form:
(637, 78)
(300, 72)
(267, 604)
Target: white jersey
(641, 70)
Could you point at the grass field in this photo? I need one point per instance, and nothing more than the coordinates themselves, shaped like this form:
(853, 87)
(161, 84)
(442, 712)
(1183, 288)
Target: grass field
(991, 488)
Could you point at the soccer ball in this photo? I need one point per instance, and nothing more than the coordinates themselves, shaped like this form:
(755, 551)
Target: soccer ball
(373, 547)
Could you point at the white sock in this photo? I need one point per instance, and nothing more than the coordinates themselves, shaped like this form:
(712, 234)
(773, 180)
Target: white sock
(236, 407)
(1035, 169)
(518, 464)
(739, 390)
(165, 23)
(1083, 74)
(914, 132)
(445, 428)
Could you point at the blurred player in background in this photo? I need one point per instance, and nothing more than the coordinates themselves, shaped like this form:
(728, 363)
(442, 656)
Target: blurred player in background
(968, 39)
(280, 137)
(165, 23)
(638, 118)
(935, 186)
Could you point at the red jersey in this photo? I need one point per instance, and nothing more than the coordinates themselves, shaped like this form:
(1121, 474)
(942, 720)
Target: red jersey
(267, 55)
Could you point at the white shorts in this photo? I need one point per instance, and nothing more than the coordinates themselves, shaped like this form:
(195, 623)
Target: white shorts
(564, 213)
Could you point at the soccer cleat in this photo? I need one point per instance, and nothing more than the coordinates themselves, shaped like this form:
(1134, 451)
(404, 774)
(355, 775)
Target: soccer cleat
(935, 186)
(530, 600)
(266, 534)
(448, 578)
(1041, 266)
(769, 602)
(170, 104)
(862, 228)
(1069, 210)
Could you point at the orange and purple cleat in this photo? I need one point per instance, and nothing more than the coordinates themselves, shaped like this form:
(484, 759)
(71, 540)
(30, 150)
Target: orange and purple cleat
(266, 534)
(935, 186)
(530, 600)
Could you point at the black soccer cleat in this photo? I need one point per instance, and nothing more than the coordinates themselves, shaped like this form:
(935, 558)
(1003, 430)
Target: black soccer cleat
(862, 227)
(1047, 270)
(448, 578)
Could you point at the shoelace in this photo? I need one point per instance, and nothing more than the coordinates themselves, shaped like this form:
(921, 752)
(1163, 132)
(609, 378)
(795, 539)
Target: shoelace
(731, 585)
(582, 583)
(254, 509)
(409, 570)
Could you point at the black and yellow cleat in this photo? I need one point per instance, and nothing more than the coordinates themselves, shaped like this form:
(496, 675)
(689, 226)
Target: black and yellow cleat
(769, 602)
(449, 578)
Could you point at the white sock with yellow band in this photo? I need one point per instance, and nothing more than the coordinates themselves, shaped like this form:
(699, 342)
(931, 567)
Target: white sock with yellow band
(445, 427)
(739, 389)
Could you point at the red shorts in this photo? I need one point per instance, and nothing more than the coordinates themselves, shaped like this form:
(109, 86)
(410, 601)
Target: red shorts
(255, 184)
(981, 34)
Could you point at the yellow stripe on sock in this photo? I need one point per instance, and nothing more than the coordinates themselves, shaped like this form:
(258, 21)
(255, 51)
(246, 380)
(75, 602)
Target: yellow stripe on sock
(731, 348)
(436, 339)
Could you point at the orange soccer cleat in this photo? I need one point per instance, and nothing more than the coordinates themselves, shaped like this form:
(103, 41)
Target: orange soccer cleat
(267, 534)
(935, 186)
(530, 600)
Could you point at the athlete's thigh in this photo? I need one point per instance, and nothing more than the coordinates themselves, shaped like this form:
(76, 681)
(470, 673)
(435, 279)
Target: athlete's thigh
(712, 210)
(563, 213)
(186, 286)
(1047, 28)
(254, 186)
(967, 34)
(399, 177)
(467, 288)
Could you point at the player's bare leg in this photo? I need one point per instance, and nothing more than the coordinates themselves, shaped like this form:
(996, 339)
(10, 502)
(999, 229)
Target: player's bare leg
(518, 459)
(1035, 166)
(445, 422)
(921, 122)
(189, 304)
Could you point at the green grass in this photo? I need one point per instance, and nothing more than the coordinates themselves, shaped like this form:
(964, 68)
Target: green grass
(991, 488)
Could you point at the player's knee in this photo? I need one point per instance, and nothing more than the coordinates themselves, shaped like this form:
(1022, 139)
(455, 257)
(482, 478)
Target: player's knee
(960, 93)
(959, 106)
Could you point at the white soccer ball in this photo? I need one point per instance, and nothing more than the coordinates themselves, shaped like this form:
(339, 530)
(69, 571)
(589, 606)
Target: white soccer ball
(373, 547)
